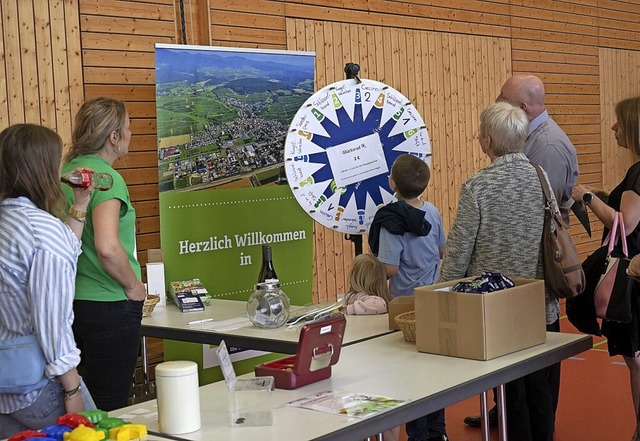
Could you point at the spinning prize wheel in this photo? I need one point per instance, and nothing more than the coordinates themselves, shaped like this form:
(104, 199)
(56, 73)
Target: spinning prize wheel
(340, 148)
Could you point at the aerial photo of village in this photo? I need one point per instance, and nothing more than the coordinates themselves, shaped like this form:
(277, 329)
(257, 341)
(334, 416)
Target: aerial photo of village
(223, 115)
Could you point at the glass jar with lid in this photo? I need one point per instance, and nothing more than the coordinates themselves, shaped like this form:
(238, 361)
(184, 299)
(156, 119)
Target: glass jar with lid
(268, 306)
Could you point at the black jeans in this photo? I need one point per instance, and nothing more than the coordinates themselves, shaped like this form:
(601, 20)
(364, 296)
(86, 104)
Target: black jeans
(426, 427)
(531, 402)
(108, 336)
(545, 385)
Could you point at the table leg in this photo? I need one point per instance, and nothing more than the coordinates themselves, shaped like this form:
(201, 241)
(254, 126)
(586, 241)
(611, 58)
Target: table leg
(145, 360)
(484, 417)
(502, 414)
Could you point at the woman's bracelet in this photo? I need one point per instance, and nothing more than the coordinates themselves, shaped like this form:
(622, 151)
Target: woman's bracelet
(82, 220)
(77, 214)
(69, 393)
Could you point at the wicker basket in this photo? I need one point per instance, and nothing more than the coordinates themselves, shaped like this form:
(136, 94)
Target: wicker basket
(407, 323)
(150, 302)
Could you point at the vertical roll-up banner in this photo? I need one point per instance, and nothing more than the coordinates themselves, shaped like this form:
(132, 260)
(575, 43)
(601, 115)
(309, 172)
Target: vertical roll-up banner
(222, 120)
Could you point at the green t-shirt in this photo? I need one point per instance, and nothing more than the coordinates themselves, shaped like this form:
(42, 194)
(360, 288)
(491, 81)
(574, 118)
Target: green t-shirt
(92, 281)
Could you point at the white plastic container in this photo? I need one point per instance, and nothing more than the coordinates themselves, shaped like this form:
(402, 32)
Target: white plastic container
(178, 397)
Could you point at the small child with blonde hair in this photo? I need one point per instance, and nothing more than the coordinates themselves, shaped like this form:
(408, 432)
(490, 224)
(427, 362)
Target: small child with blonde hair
(368, 288)
(368, 295)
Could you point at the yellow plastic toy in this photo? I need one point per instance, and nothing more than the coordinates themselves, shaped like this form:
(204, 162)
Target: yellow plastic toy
(128, 432)
(83, 433)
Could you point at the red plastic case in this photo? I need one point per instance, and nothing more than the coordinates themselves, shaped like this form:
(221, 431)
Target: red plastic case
(318, 349)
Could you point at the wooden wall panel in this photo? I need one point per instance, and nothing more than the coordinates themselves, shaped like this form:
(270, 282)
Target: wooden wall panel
(620, 76)
(449, 59)
(118, 54)
(40, 72)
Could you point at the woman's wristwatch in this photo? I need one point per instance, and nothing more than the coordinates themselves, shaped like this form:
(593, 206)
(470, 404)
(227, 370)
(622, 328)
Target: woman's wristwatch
(587, 197)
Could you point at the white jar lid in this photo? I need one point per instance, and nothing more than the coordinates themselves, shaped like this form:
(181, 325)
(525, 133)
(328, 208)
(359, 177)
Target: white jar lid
(176, 368)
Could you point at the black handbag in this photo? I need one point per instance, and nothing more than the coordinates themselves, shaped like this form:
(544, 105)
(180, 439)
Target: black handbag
(581, 310)
(612, 295)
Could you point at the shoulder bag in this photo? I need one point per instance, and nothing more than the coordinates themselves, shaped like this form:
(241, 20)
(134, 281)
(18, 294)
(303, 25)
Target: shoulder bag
(563, 274)
(612, 295)
(22, 365)
(581, 310)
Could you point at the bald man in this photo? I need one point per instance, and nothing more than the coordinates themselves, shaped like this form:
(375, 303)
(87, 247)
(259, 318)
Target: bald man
(548, 146)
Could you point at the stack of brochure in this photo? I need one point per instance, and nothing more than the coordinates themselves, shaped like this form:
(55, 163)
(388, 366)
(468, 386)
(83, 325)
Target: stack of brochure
(188, 295)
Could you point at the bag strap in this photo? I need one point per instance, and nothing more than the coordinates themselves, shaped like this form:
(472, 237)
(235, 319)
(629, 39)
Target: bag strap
(612, 237)
(546, 189)
(623, 234)
(543, 182)
(614, 233)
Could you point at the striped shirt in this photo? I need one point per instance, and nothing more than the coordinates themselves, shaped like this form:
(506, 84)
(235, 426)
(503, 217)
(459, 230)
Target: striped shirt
(38, 255)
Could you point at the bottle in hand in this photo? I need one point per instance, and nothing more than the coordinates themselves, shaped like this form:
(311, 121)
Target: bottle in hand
(267, 272)
(82, 179)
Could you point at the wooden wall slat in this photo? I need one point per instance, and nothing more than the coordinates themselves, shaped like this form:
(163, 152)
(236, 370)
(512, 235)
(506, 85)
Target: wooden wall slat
(29, 62)
(105, 58)
(122, 42)
(553, 57)
(149, 224)
(557, 16)
(557, 68)
(247, 20)
(546, 45)
(74, 62)
(135, 176)
(266, 7)
(60, 75)
(148, 192)
(13, 68)
(122, 25)
(553, 36)
(122, 92)
(249, 35)
(45, 77)
(142, 109)
(121, 75)
(147, 208)
(134, 9)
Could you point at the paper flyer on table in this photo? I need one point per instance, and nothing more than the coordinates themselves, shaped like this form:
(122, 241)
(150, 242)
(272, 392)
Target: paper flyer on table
(347, 403)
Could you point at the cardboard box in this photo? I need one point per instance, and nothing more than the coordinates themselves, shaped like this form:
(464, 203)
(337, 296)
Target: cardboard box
(480, 326)
(399, 305)
(155, 275)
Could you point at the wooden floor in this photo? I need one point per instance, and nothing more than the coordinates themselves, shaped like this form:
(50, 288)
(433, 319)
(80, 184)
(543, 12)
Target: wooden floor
(595, 400)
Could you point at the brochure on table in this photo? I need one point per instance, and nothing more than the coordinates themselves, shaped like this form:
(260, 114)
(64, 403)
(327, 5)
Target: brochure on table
(351, 404)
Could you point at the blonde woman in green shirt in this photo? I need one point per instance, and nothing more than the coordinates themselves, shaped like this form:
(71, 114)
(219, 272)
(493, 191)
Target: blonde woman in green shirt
(109, 292)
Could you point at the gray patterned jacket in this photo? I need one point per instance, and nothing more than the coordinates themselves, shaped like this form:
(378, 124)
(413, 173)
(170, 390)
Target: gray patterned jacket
(498, 225)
